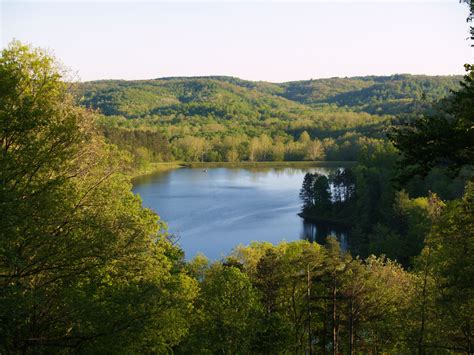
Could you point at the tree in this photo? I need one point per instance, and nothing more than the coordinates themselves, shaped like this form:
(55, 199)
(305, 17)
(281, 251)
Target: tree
(315, 193)
(322, 194)
(343, 181)
(444, 139)
(82, 265)
(305, 137)
(307, 192)
(470, 17)
(315, 150)
(232, 143)
(254, 149)
(278, 151)
(266, 146)
(192, 147)
(273, 326)
(279, 273)
(451, 248)
(333, 276)
(227, 310)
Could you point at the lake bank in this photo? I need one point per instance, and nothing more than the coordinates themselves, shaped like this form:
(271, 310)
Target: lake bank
(269, 164)
(164, 166)
(154, 168)
(328, 221)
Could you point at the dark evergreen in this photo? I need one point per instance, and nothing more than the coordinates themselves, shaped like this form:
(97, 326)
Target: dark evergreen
(443, 139)
(307, 192)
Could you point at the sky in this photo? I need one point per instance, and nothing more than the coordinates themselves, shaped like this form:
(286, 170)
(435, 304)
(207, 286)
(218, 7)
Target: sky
(255, 40)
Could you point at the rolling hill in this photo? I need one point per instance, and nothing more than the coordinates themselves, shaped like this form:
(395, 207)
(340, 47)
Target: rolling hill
(227, 118)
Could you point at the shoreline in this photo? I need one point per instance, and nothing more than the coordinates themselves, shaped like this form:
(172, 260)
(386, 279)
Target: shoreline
(165, 166)
(269, 164)
(314, 219)
(154, 168)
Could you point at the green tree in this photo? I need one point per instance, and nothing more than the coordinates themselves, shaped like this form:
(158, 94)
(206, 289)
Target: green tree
(334, 276)
(307, 192)
(316, 194)
(227, 309)
(470, 17)
(451, 248)
(273, 331)
(305, 137)
(322, 195)
(82, 265)
(444, 139)
(280, 275)
(315, 150)
(377, 295)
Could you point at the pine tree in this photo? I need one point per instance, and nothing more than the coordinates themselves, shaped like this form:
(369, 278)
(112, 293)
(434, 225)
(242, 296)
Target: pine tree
(307, 192)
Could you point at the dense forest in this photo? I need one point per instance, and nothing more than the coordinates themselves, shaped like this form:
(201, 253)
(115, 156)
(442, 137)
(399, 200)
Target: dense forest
(228, 119)
(84, 268)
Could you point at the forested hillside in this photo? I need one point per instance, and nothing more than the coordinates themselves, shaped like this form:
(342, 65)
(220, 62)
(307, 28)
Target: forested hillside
(373, 94)
(229, 119)
(259, 99)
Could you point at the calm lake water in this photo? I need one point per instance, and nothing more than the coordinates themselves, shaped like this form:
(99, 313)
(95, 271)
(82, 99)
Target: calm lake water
(214, 211)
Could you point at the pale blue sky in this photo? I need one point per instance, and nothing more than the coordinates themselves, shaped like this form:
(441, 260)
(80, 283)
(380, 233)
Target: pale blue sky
(255, 40)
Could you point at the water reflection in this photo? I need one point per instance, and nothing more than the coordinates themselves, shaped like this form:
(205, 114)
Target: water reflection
(318, 232)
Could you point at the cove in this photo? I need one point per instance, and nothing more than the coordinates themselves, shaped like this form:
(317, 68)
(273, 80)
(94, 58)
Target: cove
(213, 210)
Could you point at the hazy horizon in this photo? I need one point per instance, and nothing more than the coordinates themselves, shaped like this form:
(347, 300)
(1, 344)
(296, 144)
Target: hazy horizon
(252, 40)
(266, 81)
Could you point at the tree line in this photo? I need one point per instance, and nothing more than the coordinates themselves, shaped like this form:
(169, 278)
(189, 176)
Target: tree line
(146, 146)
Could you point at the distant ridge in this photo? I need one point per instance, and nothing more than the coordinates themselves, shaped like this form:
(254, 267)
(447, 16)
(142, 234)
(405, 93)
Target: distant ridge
(392, 94)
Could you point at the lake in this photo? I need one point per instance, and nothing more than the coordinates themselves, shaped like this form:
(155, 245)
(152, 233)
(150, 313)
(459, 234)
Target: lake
(215, 210)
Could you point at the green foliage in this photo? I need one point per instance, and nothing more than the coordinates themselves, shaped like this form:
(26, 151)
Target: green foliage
(381, 220)
(298, 295)
(470, 17)
(307, 192)
(374, 94)
(451, 265)
(302, 294)
(316, 194)
(440, 316)
(228, 96)
(444, 138)
(237, 120)
(84, 268)
(82, 265)
(146, 146)
(226, 311)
